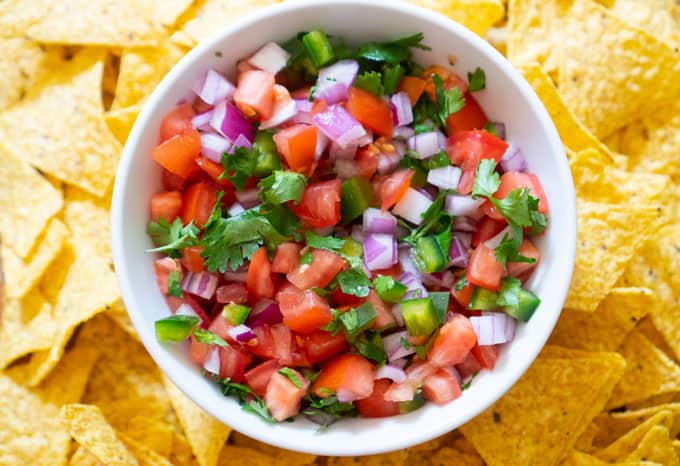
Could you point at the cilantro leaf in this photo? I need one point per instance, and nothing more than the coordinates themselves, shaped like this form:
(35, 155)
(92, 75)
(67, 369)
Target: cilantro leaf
(403, 342)
(334, 326)
(209, 338)
(327, 409)
(239, 166)
(391, 77)
(447, 102)
(324, 242)
(487, 180)
(424, 114)
(490, 127)
(508, 249)
(370, 81)
(436, 220)
(358, 319)
(282, 186)
(306, 258)
(515, 207)
(392, 52)
(291, 375)
(461, 283)
(476, 80)
(508, 295)
(171, 237)
(174, 284)
(249, 401)
(370, 345)
(354, 282)
(258, 407)
(438, 160)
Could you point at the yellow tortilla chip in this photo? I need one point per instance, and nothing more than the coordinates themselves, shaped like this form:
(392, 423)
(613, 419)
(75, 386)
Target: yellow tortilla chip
(120, 121)
(145, 455)
(18, 64)
(153, 433)
(31, 431)
(446, 455)
(16, 16)
(27, 202)
(81, 284)
(77, 146)
(88, 218)
(577, 458)
(615, 424)
(606, 328)
(82, 457)
(119, 315)
(27, 326)
(656, 446)
(476, 15)
(604, 86)
(654, 16)
(608, 236)
(141, 69)
(181, 451)
(646, 327)
(539, 419)
(205, 434)
(213, 15)
(649, 372)
(22, 274)
(278, 456)
(89, 428)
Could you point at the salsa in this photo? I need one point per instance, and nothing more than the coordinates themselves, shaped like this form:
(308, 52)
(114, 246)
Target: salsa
(342, 232)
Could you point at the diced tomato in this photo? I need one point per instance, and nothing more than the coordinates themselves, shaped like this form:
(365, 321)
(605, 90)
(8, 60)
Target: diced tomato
(415, 375)
(320, 204)
(366, 161)
(394, 187)
(177, 121)
(319, 345)
(232, 293)
(233, 363)
(486, 355)
(468, 148)
(178, 154)
(527, 249)
(287, 257)
(173, 302)
(449, 80)
(453, 342)
(283, 397)
(303, 311)
(259, 279)
(395, 272)
(487, 228)
(198, 201)
(517, 180)
(413, 86)
(463, 295)
(163, 267)
(441, 387)
(319, 106)
(469, 366)
(214, 171)
(166, 204)
(254, 95)
(324, 267)
(221, 326)
(371, 111)
(471, 116)
(198, 351)
(172, 182)
(192, 260)
(282, 341)
(259, 376)
(484, 269)
(384, 317)
(297, 145)
(338, 298)
(197, 308)
(375, 405)
(350, 373)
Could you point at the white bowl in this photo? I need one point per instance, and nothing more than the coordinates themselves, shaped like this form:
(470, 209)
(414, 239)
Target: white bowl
(508, 98)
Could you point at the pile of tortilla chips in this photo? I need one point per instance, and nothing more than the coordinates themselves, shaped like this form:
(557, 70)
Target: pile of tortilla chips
(76, 385)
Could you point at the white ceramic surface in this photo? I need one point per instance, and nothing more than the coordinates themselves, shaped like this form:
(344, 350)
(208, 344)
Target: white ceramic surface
(508, 98)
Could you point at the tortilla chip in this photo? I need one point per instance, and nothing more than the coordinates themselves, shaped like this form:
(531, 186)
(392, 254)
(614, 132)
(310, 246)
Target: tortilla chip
(18, 63)
(214, 15)
(606, 328)
(119, 315)
(608, 236)
(649, 372)
(476, 15)
(31, 431)
(27, 326)
(620, 63)
(539, 419)
(21, 275)
(572, 131)
(145, 455)
(27, 202)
(448, 456)
(16, 16)
(653, 16)
(206, 435)
(76, 147)
(141, 69)
(153, 433)
(616, 424)
(577, 458)
(89, 428)
(82, 457)
(88, 218)
(656, 446)
(121, 120)
(278, 456)
(181, 451)
(80, 284)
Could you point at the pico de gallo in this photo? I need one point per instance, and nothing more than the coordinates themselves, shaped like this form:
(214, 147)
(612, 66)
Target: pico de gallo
(342, 231)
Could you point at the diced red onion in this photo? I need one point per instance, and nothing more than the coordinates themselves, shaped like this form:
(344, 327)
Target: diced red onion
(212, 87)
(201, 121)
(346, 169)
(403, 132)
(303, 105)
(334, 81)
(496, 240)
(357, 234)
(513, 160)
(339, 126)
(333, 93)
(265, 312)
(402, 113)
(380, 251)
(388, 371)
(425, 145)
(500, 129)
(321, 144)
(229, 122)
(337, 152)
(394, 348)
(441, 140)
(414, 285)
(248, 198)
(458, 253)
(399, 148)
(444, 177)
(466, 224)
(283, 111)
(201, 284)
(406, 261)
(399, 362)
(396, 312)
(366, 139)
(303, 117)
(345, 396)
(399, 392)
(270, 57)
(213, 146)
(242, 141)
(186, 310)
(388, 162)
(375, 221)
(412, 205)
(465, 239)
(238, 277)
(443, 279)
(212, 360)
(235, 209)
(463, 205)
(241, 333)
(493, 328)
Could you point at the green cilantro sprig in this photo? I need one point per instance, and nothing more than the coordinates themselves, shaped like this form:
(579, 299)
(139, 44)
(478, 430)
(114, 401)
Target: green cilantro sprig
(171, 238)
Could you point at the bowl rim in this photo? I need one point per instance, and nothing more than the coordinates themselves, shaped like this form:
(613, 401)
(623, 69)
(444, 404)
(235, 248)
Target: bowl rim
(567, 244)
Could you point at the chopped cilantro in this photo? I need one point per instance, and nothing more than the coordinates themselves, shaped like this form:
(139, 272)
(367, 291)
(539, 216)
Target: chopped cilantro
(329, 408)
(171, 237)
(334, 326)
(490, 127)
(257, 406)
(392, 52)
(209, 338)
(282, 186)
(439, 160)
(354, 282)
(403, 342)
(487, 180)
(436, 220)
(291, 375)
(174, 285)
(420, 128)
(477, 80)
(370, 345)
(358, 319)
(324, 242)
(239, 166)
(312, 90)
(447, 102)
(461, 283)
(306, 258)
(370, 81)
(467, 384)
(248, 399)
(391, 77)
